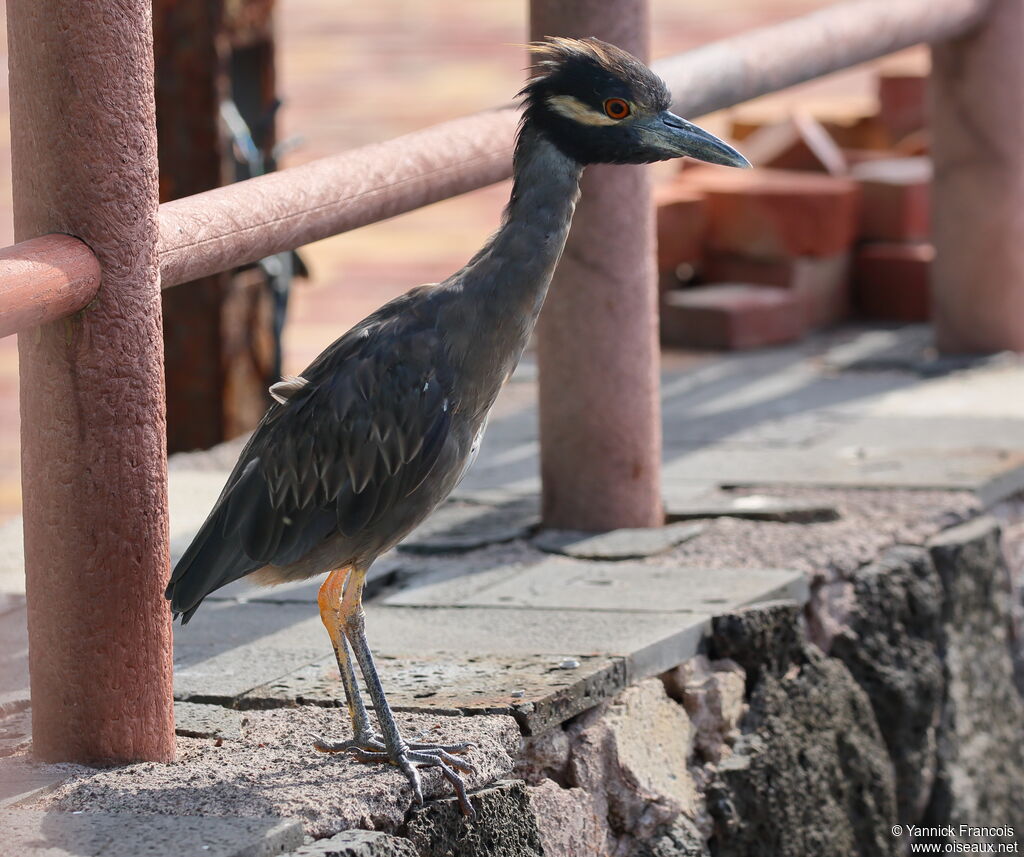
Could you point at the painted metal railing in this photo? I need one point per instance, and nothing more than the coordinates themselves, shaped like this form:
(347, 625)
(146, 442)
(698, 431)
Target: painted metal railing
(94, 468)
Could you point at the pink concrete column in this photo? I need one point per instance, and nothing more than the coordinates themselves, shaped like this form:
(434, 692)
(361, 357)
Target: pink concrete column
(92, 398)
(597, 339)
(977, 130)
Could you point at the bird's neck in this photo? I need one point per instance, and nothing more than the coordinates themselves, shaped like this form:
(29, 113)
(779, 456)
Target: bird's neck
(504, 285)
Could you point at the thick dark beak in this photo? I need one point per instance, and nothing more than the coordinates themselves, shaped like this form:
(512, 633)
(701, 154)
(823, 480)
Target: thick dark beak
(685, 138)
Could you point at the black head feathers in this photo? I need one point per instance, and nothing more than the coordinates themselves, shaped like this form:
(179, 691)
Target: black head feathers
(584, 94)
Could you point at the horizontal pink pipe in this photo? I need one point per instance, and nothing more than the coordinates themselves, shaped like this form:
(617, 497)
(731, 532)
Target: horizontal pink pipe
(213, 231)
(44, 279)
(239, 223)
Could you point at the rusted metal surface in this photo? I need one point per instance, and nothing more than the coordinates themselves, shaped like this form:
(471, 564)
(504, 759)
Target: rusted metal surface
(92, 405)
(189, 88)
(766, 60)
(246, 221)
(44, 279)
(597, 338)
(977, 124)
(230, 226)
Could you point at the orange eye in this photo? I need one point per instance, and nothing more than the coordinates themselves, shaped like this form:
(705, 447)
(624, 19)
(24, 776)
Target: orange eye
(616, 108)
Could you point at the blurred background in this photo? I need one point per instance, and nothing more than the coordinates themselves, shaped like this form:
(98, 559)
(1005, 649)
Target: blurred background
(347, 74)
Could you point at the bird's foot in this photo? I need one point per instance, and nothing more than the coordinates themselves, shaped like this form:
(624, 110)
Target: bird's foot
(408, 757)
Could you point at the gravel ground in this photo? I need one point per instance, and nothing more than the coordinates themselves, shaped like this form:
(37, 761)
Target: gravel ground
(274, 771)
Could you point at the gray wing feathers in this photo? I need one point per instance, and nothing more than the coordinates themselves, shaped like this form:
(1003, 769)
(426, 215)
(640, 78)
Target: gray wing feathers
(363, 432)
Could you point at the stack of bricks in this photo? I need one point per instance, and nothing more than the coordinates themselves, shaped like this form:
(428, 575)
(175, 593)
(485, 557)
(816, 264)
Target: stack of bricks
(833, 220)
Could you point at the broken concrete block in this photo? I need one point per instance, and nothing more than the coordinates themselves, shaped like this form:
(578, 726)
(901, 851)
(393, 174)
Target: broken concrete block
(632, 756)
(810, 773)
(504, 826)
(567, 823)
(768, 637)
(980, 751)
(712, 692)
(679, 839)
(890, 644)
(544, 755)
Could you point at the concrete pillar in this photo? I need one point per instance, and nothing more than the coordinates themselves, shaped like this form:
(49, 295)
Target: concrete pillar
(597, 338)
(977, 131)
(92, 397)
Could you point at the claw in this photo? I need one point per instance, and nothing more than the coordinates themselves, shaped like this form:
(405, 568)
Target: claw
(372, 750)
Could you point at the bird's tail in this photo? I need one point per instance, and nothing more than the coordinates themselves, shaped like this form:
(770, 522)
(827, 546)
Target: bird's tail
(212, 560)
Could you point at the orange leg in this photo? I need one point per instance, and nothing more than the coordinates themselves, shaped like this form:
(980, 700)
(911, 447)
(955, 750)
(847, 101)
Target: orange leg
(333, 615)
(341, 609)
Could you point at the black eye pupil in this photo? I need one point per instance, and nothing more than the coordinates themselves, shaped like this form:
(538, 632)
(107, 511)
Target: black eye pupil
(617, 108)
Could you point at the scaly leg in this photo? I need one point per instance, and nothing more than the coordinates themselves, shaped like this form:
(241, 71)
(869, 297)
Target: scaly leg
(329, 599)
(394, 749)
(340, 600)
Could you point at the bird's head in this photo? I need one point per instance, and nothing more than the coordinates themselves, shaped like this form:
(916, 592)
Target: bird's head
(599, 104)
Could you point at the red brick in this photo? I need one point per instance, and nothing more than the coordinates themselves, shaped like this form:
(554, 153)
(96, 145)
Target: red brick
(901, 102)
(860, 156)
(890, 281)
(895, 199)
(822, 283)
(682, 221)
(797, 143)
(771, 214)
(865, 131)
(916, 143)
(731, 316)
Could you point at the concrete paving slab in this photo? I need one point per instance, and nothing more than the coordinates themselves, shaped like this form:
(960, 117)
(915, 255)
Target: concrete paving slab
(754, 507)
(21, 779)
(461, 526)
(465, 659)
(570, 584)
(538, 691)
(275, 771)
(992, 474)
(194, 720)
(110, 834)
(229, 648)
(616, 544)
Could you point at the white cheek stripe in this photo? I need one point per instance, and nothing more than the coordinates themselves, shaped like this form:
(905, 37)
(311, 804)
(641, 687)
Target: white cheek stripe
(572, 108)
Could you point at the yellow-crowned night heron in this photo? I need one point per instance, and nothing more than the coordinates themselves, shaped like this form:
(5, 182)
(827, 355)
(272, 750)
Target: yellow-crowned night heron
(383, 425)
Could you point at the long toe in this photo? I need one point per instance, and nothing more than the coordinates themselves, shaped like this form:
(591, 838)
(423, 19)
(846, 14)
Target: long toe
(371, 745)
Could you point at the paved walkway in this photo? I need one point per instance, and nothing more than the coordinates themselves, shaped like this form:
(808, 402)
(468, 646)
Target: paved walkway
(794, 467)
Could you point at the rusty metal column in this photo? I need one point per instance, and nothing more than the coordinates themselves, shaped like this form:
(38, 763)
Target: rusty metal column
(977, 125)
(92, 398)
(600, 410)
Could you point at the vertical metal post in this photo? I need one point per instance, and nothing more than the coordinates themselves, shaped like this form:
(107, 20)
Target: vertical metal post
(977, 125)
(92, 396)
(600, 410)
